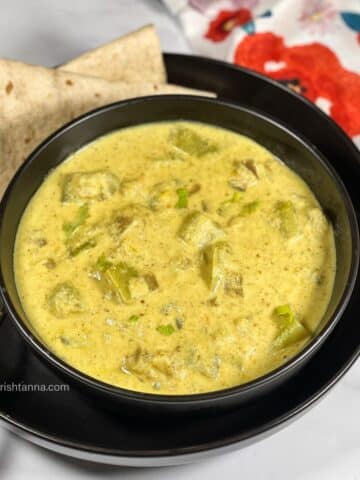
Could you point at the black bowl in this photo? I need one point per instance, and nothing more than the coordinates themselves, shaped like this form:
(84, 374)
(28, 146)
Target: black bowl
(295, 151)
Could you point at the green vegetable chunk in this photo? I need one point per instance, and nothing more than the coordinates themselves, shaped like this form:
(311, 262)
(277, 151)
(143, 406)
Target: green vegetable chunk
(82, 239)
(213, 264)
(78, 237)
(288, 218)
(165, 194)
(165, 329)
(118, 225)
(64, 299)
(103, 263)
(89, 186)
(245, 175)
(290, 329)
(133, 318)
(250, 208)
(124, 218)
(117, 278)
(199, 230)
(70, 228)
(191, 142)
(172, 154)
(148, 365)
(245, 211)
(121, 281)
(183, 196)
(75, 249)
(231, 206)
(216, 270)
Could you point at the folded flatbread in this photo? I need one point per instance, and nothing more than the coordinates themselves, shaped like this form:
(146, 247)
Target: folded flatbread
(35, 101)
(133, 58)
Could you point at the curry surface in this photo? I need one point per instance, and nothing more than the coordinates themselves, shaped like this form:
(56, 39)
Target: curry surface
(174, 258)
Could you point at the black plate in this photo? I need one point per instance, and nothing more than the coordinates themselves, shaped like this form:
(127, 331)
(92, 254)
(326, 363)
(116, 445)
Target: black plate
(72, 423)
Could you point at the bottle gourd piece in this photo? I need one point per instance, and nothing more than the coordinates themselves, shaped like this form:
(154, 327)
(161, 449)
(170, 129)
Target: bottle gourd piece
(89, 186)
(64, 299)
(164, 194)
(213, 264)
(199, 230)
(244, 175)
(288, 219)
(78, 236)
(123, 282)
(191, 142)
(290, 329)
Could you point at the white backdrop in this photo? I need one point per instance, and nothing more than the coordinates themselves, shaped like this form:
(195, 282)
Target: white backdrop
(325, 443)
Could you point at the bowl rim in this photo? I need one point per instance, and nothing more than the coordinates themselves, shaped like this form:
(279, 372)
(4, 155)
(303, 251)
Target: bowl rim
(205, 397)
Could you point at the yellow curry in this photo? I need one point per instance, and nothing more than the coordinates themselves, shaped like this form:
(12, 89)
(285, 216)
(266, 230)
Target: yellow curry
(174, 258)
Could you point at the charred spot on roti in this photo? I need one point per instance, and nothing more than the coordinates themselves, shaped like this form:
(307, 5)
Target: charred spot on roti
(9, 87)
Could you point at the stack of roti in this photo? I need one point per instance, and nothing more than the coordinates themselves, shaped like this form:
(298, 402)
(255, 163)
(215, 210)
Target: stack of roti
(35, 101)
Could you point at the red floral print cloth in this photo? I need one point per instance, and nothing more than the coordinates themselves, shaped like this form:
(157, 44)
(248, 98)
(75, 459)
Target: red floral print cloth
(311, 46)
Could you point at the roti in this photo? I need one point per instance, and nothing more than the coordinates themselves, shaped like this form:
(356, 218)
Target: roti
(36, 101)
(133, 58)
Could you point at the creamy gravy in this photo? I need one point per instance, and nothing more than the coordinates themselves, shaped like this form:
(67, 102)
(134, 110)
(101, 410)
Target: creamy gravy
(174, 258)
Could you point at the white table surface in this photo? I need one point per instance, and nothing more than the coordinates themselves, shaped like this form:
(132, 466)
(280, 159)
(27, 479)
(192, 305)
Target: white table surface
(323, 444)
